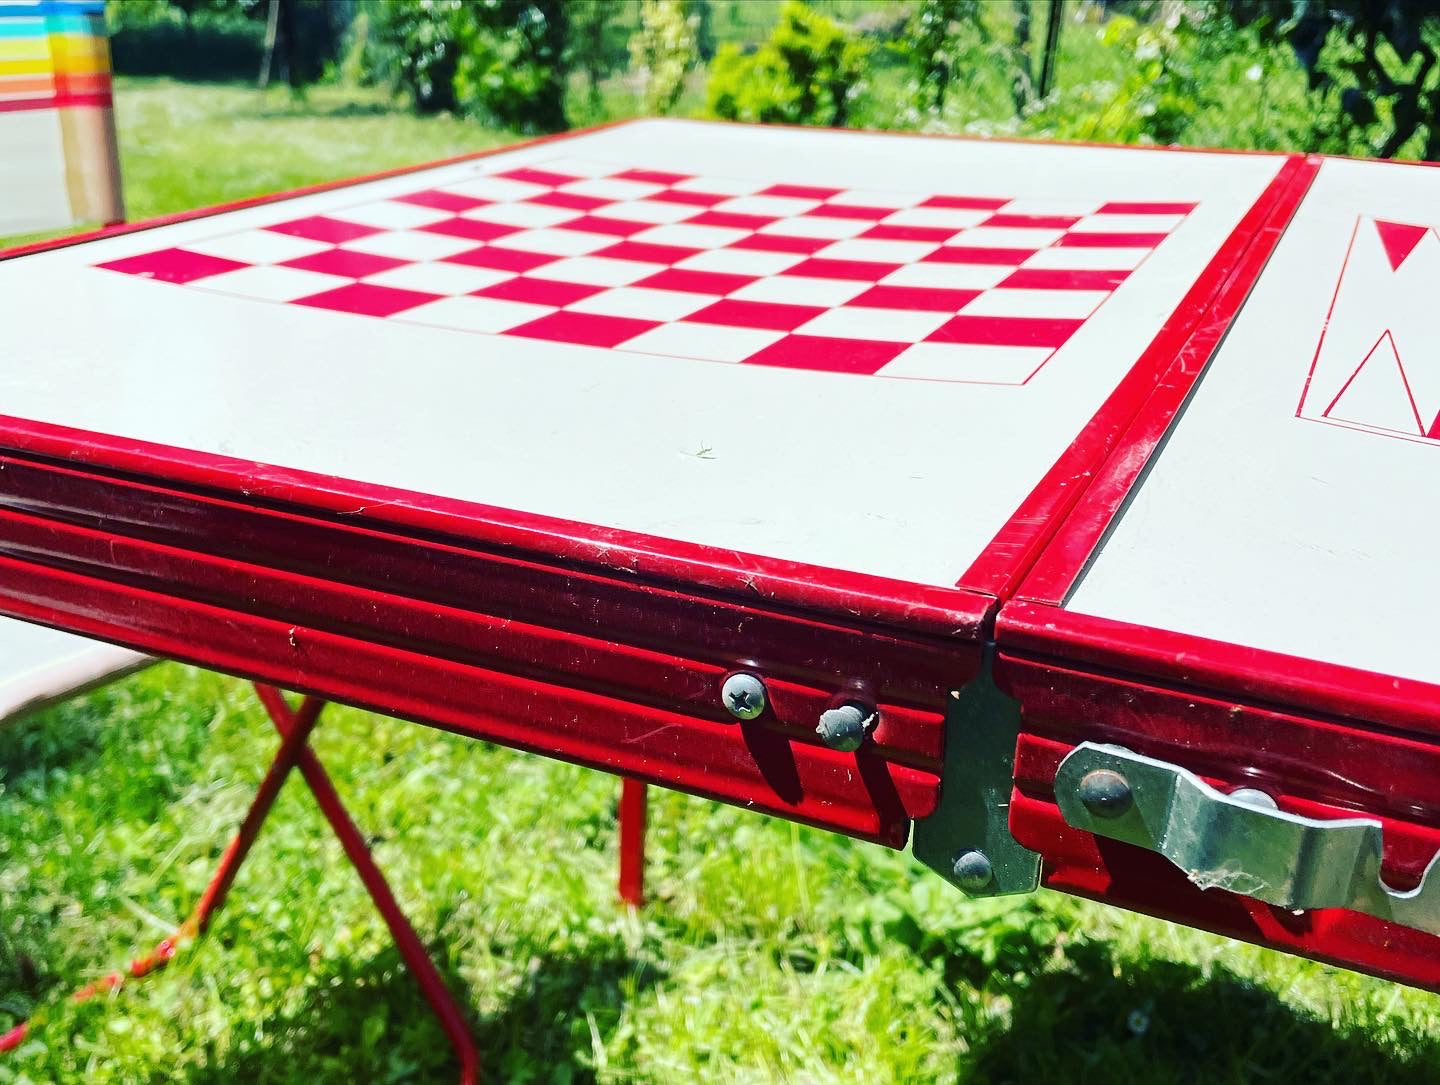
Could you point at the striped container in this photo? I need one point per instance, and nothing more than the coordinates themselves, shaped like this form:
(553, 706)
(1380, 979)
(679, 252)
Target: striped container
(59, 164)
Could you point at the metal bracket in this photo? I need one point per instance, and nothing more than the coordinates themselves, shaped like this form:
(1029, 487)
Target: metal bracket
(1237, 842)
(967, 839)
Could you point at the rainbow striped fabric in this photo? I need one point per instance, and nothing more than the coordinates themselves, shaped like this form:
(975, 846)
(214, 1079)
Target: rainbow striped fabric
(56, 124)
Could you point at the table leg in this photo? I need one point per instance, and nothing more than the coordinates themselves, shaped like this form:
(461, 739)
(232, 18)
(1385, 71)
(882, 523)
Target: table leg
(633, 816)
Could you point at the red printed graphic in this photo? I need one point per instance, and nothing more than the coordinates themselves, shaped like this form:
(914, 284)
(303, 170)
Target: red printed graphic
(1377, 367)
(919, 285)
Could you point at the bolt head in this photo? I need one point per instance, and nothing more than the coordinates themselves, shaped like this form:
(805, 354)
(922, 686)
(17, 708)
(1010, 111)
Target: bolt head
(743, 696)
(844, 728)
(1106, 793)
(973, 871)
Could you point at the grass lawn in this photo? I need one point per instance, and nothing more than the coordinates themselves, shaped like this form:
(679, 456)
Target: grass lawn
(768, 953)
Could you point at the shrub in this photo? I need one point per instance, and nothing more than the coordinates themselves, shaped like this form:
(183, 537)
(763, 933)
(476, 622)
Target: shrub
(809, 72)
(662, 51)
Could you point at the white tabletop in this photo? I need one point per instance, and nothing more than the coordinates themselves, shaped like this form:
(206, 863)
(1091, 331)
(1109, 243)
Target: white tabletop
(749, 403)
(1296, 505)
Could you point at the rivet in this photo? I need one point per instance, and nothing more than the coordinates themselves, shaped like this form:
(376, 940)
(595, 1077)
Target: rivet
(1106, 793)
(1253, 796)
(844, 728)
(743, 696)
(973, 871)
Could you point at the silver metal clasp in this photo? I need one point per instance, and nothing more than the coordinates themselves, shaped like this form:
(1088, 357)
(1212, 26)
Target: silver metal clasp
(1239, 842)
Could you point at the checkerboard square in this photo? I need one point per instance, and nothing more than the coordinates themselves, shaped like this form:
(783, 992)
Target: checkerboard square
(1031, 222)
(501, 258)
(880, 252)
(800, 290)
(952, 219)
(731, 220)
(172, 265)
(962, 253)
(656, 211)
(737, 261)
(595, 271)
(1091, 259)
(548, 292)
(829, 355)
(692, 199)
(570, 200)
(866, 270)
(891, 232)
(366, 300)
(767, 206)
(533, 176)
(1127, 224)
(256, 247)
(650, 254)
(723, 186)
(1068, 304)
(438, 278)
(695, 282)
(769, 315)
(441, 200)
(965, 203)
(392, 215)
(653, 177)
(875, 197)
(472, 229)
(557, 242)
(1145, 207)
(781, 243)
(603, 224)
(852, 211)
(474, 314)
(588, 329)
(324, 228)
(272, 283)
(1030, 278)
(817, 226)
(948, 276)
(1005, 331)
(1006, 237)
(613, 189)
(1062, 208)
(1076, 240)
(921, 298)
(643, 304)
(967, 362)
(344, 262)
(800, 192)
(688, 236)
(411, 245)
(524, 215)
(893, 325)
(708, 342)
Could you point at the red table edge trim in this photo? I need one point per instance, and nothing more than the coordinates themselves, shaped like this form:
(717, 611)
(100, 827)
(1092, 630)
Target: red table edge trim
(757, 581)
(1269, 678)
(1216, 296)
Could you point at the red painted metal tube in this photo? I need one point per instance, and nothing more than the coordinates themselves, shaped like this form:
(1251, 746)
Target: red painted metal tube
(412, 950)
(634, 800)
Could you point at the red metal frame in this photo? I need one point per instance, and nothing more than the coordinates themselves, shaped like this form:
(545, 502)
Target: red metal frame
(1324, 740)
(295, 727)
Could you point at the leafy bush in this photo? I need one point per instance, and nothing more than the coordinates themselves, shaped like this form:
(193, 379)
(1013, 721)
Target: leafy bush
(809, 72)
(501, 60)
(662, 51)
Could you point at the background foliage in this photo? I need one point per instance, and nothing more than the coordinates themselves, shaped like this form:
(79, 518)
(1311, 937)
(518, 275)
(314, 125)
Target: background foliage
(1355, 76)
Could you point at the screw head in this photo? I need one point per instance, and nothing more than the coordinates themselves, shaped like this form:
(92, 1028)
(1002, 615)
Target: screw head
(844, 728)
(1253, 796)
(743, 696)
(973, 871)
(1106, 793)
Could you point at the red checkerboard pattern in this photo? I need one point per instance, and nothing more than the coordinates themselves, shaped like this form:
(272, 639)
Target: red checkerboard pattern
(899, 284)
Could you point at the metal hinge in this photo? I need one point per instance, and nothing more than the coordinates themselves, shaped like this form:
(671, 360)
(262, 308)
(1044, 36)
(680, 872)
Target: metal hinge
(1239, 842)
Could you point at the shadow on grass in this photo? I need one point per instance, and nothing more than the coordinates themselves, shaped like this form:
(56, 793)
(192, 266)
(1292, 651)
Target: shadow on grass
(1101, 1019)
(300, 106)
(367, 1022)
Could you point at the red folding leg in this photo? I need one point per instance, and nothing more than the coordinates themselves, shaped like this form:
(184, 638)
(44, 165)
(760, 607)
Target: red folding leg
(633, 801)
(295, 727)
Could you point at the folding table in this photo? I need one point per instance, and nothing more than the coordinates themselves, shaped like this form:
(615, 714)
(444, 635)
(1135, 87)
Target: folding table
(1227, 661)
(702, 454)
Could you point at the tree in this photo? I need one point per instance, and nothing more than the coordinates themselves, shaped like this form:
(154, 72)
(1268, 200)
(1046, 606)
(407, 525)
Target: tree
(662, 51)
(1372, 64)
